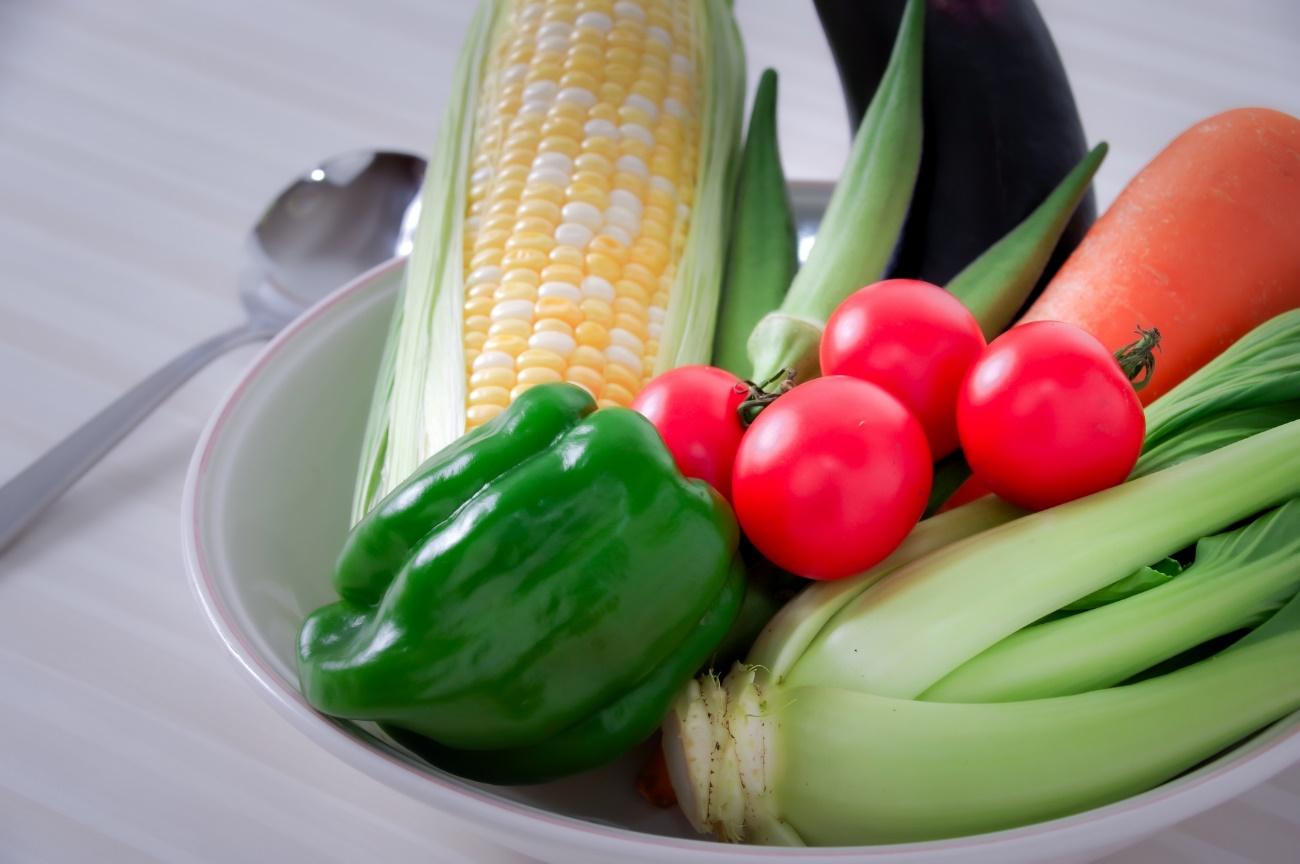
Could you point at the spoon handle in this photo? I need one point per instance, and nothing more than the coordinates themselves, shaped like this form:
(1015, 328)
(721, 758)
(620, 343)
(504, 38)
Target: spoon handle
(38, 485)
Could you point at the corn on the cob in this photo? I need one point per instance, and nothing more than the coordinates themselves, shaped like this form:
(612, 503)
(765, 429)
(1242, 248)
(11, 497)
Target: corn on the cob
(574, 231)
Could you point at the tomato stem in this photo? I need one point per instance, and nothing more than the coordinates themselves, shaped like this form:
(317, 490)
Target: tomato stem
(1138, 358)
(760, 396)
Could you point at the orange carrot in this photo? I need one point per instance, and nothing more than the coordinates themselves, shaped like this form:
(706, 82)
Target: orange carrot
(1204, 244)
(652, 781)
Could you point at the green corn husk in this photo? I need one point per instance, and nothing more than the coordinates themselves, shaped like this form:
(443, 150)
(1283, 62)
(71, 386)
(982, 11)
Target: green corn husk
(420, 396)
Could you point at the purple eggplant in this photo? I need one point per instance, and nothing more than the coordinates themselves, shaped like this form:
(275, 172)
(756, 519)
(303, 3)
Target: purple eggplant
(1001, 127)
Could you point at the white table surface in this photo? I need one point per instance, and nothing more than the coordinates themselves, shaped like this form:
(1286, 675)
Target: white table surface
(138, 139)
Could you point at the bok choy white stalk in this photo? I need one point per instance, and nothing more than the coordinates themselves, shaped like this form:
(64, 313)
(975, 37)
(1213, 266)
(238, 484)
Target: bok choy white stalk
(831, 766)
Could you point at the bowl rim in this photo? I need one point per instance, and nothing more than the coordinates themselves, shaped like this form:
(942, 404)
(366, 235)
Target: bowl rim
(486, 810)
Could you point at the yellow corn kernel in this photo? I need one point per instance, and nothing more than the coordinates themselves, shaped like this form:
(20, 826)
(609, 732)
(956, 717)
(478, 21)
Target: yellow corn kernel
(587, 193)
(511, 327)
(586, 355)
(522, 274)
(552, 325)
(531, 240)
(660, 200)
(478, 323)
(631, 182)
(532, 259)
(533, 225)
(477, 415)
(617, 394)
(600, 264)
(543, 192)
(540, 357)
(559, 307)
(588, 37)
(538, 375)
(654, 226)
(566, 255)
(479, 306)
(612, 93)
(489, 396)
(512, 345)
(608, 403)
(492, 239)
(601, 146)
(650, 253)
(562, 273)
(617, 373)
(475, 339)
(585, 377)
(610, 247)
(597, 311)
(541, 209)
(546, 67)
(566, 144)
(589, 178)
(634, 292)
(592, 334)
(562, 127)
(633, 324)
(493, 376)
(605, 109)
(482, 289)
(632, 307)
(640, 274)
(593, 162)
(634, 147)
(621, 55)
(515, 291)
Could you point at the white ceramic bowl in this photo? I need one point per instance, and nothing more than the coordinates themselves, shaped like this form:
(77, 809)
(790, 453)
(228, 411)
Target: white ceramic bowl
(265, 512)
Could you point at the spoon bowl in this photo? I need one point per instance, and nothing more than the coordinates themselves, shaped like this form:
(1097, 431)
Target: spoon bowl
(338, 220)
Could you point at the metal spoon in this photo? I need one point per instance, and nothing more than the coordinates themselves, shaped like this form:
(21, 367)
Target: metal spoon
(330, 225)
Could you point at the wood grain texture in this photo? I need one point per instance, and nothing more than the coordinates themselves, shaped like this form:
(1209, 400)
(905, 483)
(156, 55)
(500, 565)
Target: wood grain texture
(138, 140)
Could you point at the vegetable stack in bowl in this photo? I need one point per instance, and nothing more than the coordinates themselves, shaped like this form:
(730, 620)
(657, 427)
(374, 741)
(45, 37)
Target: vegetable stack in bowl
(567, 525)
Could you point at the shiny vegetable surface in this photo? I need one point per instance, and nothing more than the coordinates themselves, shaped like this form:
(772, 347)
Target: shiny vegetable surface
(1047, 415)
(914, 340)
(831, 477)
(695, 409)
(534, 593)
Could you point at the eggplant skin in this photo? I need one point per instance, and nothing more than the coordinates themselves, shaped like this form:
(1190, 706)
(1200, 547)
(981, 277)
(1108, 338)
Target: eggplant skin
(1001, 125)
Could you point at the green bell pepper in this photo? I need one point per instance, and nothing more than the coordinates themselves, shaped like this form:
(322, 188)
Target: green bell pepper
(527, 604)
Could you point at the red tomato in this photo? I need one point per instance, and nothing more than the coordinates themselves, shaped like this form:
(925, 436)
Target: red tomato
(916, 341)
(694, 409)
(831, 477)
(1046, 416)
